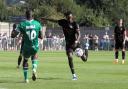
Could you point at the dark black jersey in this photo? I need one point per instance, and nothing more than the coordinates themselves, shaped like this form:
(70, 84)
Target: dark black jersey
(119, 33)
(69, 30)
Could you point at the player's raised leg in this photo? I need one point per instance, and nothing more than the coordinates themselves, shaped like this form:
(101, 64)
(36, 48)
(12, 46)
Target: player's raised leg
(84, 57)
(86, 53)
(34, 67)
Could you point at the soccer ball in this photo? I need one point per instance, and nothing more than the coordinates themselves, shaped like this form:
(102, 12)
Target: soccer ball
(79, 52)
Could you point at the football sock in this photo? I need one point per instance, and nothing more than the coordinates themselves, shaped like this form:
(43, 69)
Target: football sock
(116, 54)
(34, 65)
(70, 60)
(25, 69)
(19, 59)
(123, 55)
(86, 53)
(25, 74)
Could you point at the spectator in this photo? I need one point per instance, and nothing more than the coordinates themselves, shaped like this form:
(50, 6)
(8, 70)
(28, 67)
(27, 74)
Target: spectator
(96, 42)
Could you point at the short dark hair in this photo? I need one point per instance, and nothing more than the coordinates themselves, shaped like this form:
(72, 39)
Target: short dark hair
(29, 13)
(67, 13)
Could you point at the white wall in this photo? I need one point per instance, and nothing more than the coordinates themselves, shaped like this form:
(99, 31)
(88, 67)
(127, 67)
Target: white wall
(5, 28)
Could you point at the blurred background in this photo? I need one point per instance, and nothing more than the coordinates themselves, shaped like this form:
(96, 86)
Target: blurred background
(96, 18)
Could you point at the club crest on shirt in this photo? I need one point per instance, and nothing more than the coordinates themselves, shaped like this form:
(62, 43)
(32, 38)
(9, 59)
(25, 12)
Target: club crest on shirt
(71, 26)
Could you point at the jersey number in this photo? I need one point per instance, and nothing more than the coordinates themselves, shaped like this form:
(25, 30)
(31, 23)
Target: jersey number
(31, 34)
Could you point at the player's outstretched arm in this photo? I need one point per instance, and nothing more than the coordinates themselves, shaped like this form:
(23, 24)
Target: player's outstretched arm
(51, 20)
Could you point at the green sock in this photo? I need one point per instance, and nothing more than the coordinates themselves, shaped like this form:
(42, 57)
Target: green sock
(25, 74)
(34, 65)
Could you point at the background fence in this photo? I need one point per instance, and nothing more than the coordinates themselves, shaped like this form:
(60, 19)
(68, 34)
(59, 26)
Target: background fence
(54, 38)
(56, 43)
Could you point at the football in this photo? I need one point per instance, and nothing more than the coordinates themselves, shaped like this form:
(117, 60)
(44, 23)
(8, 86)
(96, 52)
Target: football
(79, 52)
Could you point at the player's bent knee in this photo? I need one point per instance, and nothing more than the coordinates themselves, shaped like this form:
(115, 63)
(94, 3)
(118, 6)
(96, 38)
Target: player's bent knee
(35, 56)
(70, 57)
(25, 63)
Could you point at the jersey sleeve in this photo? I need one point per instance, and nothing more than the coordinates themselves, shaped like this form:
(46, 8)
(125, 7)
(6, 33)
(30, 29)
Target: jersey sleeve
(76, 26)
(19, 28)
(61, 22)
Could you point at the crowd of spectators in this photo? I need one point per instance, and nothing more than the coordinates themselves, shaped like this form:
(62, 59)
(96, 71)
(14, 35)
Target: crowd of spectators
(57, 42)
(102, 42)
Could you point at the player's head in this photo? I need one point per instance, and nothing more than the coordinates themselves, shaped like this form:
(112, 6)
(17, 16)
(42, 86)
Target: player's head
(120, 22)
(29, 14)
(68, 15)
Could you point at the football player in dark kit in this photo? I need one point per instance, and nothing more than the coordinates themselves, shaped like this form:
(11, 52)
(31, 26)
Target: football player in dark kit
(119, 36)
(72, 37)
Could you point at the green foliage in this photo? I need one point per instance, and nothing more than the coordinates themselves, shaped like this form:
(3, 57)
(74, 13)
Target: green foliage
(3, 11)
(87, 12)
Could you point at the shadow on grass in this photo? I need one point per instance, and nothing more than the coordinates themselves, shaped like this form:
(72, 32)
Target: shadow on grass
(49, 78)
(12, 81)
(9, 81)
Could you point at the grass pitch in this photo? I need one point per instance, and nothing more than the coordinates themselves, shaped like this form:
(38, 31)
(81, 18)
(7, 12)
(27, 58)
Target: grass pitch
(54, 73)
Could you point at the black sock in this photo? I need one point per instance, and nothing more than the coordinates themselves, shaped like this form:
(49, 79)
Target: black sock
(116, 54)
(123, 55)
(86, 53)
(19, 60)
(25, 69)
(83, 58)
(70, 60)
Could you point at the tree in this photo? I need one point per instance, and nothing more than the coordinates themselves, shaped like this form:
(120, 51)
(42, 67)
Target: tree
(87, 12)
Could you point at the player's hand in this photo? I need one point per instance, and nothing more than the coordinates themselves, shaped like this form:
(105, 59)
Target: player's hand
(75, 44)
(43, 20)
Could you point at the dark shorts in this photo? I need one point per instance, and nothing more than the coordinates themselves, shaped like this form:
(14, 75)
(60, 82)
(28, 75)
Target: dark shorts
(119, 45)
(29, 52)
(70, 48)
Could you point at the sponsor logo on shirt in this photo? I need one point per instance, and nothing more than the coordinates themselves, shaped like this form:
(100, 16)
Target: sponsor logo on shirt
(30, 27)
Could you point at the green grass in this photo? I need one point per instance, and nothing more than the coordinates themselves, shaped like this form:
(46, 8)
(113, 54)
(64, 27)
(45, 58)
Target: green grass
(53, 72)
